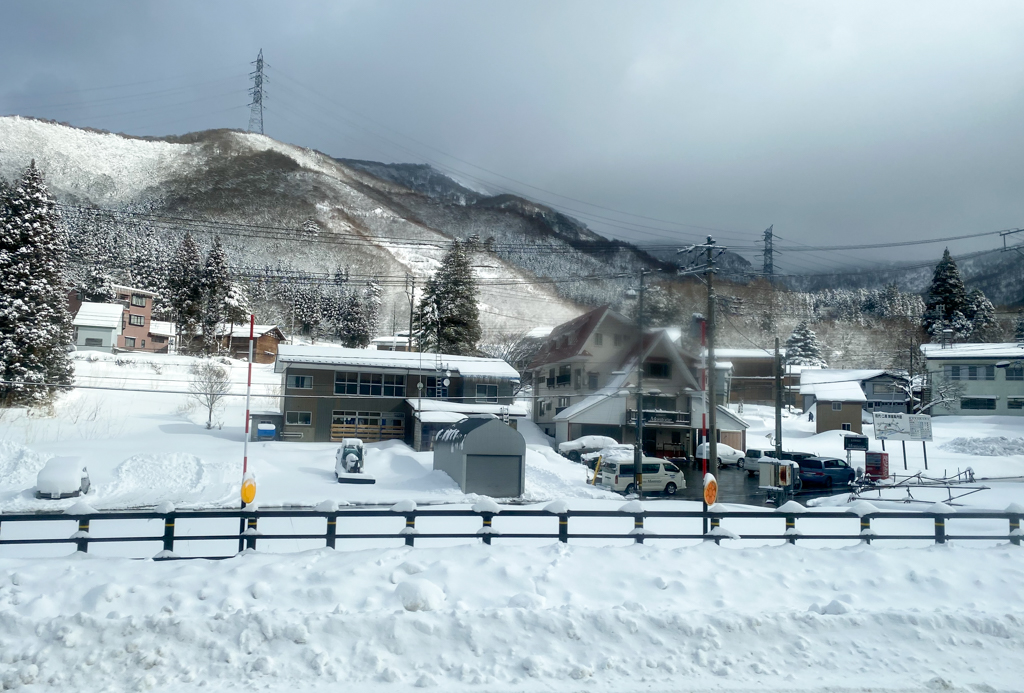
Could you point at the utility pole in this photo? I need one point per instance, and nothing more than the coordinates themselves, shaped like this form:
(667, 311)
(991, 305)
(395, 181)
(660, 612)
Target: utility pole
(638, 452)
(712, 370)
(778, 401)
(257, 93)
(410, 286)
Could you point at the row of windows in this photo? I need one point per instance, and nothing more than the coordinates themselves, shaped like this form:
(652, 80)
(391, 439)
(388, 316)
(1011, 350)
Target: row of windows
(349, 418)
(620, 339)
(386, 385)
(989, 404)
(971, 372)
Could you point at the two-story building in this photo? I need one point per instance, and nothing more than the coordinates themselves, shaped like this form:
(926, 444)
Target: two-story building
(839, 397)
(991, 377)
(136, 318)
(331, 393)
(585, 379)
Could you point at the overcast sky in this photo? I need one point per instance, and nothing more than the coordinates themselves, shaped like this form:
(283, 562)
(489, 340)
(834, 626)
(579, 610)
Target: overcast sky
(851, 122)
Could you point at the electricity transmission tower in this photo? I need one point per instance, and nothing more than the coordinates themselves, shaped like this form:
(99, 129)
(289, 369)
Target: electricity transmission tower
(769, 263)
(256, 106)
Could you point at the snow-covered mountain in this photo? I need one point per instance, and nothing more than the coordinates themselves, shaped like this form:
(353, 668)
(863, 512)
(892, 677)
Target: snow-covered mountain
(370, 222)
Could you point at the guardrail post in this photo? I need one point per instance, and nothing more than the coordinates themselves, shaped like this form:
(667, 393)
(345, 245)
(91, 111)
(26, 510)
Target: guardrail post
(638, 523)
(865, 526)
(940, 530)
(791, 524)
(410, 529)
(563, 528)
(332, 530)
(487, 527)
(1015, 527)
(250, 538)
(715, 523)
(169, 533)
(83, 541)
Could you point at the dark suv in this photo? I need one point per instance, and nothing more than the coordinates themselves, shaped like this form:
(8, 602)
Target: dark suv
(826, 472)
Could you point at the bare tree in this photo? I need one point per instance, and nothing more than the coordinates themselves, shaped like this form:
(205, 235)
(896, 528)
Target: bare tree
(208, 386)
(515, 348)
(939, 390)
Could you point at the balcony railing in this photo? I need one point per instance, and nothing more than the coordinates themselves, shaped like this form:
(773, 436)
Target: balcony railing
(563, 380)
(657, 416)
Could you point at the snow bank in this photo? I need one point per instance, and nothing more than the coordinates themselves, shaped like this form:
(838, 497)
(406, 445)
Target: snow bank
(1000, 446)
(19, 466)
(483, 618)
(179, 478)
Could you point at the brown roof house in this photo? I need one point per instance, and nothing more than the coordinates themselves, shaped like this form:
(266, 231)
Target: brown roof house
(136, 317)
(268, 338)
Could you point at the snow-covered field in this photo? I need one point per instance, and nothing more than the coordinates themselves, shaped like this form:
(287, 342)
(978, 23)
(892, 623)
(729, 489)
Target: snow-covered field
(506, 617)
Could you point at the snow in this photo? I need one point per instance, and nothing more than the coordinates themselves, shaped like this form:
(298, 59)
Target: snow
(1000, 446)
(423, 404)
(469, 366)
(99, 315)
(834, 391)
(992, 350)
(592, 442)
(61, 475)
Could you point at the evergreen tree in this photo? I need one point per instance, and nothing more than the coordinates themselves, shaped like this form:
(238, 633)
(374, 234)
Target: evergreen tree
(185, 286)
(309, 310)
(35, 326)
(310, 228)
(99, 287)
(447, 318)
(1018, 328)
(803, 347)
(946, 296)
(235, 307)
(982, 316)
(149, 269)
(373, 297)
(216, 281)
(355, 325)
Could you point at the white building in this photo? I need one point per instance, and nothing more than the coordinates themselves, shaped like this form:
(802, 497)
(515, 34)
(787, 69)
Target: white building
(97, 326)
(991, 377)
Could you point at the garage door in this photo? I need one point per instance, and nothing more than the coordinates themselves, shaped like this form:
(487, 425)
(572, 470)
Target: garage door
(498, 476)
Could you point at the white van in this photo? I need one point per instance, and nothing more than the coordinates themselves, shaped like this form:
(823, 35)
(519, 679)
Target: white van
(660, 476)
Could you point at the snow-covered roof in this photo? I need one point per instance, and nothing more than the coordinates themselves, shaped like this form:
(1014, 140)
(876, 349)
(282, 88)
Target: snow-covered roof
(470, 366)
(844, 391)
(839, 375)
(420, 405)
(440, 416)
(740, 354)
(609, 390)
(122, 289)
(162, 328)
(99, 315)
(991, 350)
(390, 339)
(241, 331)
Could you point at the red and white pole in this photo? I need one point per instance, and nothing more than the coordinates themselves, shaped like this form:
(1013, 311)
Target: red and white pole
(248, 479)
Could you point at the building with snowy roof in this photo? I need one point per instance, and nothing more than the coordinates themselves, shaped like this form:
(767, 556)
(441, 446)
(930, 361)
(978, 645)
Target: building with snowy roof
(990, 378)
(483, 456)
(585, 380)
(97, 326)
(334, 392)
(838, 397)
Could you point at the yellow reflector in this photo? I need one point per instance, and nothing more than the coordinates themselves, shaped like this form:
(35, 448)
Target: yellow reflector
(248, 490)
(710, 491)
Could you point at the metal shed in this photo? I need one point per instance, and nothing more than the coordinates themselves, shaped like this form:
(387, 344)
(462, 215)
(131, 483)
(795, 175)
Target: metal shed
(483, 455)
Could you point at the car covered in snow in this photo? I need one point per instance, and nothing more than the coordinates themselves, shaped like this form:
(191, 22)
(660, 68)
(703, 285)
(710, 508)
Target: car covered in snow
(726, 454)
(618, 470)
(63, 477)
(575, 449)
(349, 457)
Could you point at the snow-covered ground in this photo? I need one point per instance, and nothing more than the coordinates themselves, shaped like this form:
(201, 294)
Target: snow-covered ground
(513, 616)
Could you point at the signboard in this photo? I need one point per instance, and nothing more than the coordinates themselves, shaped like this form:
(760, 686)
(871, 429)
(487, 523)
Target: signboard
(898, 426)
(855, 442)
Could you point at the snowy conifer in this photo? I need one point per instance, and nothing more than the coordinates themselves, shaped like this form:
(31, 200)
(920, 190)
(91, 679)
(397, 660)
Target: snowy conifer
(235, 307)
(946, 296)
(803, 347)
(35, 326)
(216, 281)
(982, 316)
(309, 310)
(185, 285)
(447, 318)
(1018, 328)
(354, 326)
(373, 297)
(99, 287)
(310, 228)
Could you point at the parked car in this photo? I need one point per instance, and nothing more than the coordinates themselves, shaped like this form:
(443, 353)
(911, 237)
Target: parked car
(575, 449)
(612, 450)
(63, 477)
(748, 462)
(826, 472)
(617, 474)
(726, 454)
(797, 457)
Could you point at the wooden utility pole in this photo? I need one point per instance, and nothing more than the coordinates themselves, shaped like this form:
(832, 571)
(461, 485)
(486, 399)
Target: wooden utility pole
(778, 401)
(711, 369)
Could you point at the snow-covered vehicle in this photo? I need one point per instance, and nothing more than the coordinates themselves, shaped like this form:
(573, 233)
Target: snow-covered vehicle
(63, 477)
(618, 469)
(750, 459)
(575, 449)
(726, 454)
(349, 458)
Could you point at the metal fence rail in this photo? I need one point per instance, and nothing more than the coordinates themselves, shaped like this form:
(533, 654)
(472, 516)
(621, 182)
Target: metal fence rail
(249, 533)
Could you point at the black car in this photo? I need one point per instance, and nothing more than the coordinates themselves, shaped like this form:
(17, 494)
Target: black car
(826, 472)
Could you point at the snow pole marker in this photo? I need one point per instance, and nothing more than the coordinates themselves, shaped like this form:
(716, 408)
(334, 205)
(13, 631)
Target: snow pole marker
(248, 490)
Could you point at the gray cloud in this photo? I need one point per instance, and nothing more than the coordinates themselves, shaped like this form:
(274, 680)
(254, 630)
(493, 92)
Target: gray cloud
(837, 122)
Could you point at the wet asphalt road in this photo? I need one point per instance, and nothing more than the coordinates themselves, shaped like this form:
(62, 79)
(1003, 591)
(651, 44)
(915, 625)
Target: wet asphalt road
(734, 486)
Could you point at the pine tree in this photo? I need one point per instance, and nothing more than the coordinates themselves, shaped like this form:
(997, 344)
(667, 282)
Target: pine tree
(309, 310)
(310, 227)
(99, 287)
(355, 325)
(803, 347)
(216, 281)
(373, 297)
(235, 307)
(1018, 328)
(185, 285)
(447, 318)
(946, 296)
(35, 326)
(982, 316)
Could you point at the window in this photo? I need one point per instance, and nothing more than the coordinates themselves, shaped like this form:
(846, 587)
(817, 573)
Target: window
(371, 384)
(346, 383)
(394, 386)
(486, 393)
(436, 388)
(832, 464)
(343, 418)
(563, 402)
(579, 378)
(591, 381)
(564, 375)
(129, 342)
(93, 341)
(837, 406)
(300, 382)
(651, 468)
(1016, 373)
(619, 339)
(1015, 403)
(139, 300)
(811, 464)
(977, 403)
(658, 370)
(846, 427)
(139, 320)
(598, 339)
(298, 418)
(971, 372)
(143, 343)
